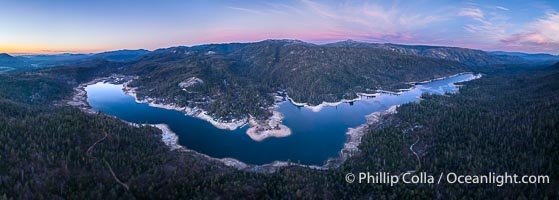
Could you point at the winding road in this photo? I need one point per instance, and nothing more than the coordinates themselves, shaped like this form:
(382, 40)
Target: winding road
(106, 163)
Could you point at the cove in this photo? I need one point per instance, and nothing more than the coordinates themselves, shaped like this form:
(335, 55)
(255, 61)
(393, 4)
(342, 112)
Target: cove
(316, 136)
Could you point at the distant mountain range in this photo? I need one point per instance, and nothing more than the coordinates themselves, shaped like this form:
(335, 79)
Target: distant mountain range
(10, 63)
(40, 61)
(247, 73)
(471, 57)
(120, 55)
(543, 57)
(250, 73)
(504, 121)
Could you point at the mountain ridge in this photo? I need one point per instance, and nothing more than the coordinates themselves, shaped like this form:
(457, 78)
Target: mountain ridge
(247, 73)
(10, 63)
(473, 57)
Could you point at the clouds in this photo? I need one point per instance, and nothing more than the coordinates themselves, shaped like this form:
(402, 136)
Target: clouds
(541, 34)
(502, 8)
(530, 26)
(547, 28)
(486, 27)
(323, 21)
(245, 10)
(375, 21)
(474, 13)
(498, 30)
(467, 24)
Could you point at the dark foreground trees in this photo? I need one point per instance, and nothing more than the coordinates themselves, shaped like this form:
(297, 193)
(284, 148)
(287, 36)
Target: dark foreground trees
(506, 121)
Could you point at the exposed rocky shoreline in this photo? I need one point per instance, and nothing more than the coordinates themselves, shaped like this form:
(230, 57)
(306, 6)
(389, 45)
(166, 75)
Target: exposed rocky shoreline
(198, 113)
(79, 98)
(354, 135)
(169, 138)
(319, 107)
(272, 127)
(259, 129)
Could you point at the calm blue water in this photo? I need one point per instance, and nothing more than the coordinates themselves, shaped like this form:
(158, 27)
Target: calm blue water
(316, 136)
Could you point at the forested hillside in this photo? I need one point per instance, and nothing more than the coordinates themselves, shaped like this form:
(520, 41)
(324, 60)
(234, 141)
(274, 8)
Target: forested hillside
(471, 57)
(505, 121)
(66, 59)
(240, 79)
(9, 63)
(537, 57)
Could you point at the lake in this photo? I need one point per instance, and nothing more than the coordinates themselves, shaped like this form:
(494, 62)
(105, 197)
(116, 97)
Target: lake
(316, 136)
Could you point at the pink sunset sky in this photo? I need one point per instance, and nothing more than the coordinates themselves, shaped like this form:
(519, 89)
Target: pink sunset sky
(93, 26)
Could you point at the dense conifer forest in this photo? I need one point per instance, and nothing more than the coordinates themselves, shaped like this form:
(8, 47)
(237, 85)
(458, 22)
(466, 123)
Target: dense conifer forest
(503, 122)
(238, 80)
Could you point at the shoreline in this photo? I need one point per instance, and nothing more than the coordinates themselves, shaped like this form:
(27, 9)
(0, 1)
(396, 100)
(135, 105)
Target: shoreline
(170, 138)
(271, 127)
(319, 107)
(259, 129)
(444, 77)
(194, 112)
(356, 134)
(79, 96)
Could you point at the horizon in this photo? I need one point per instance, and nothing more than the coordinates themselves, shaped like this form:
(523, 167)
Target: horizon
(36, 27)
(151, 50)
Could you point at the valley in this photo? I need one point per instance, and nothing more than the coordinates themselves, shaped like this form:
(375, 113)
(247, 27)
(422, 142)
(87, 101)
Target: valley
(47, 143)
(314, 136)
(328, 74)
(279, 99)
